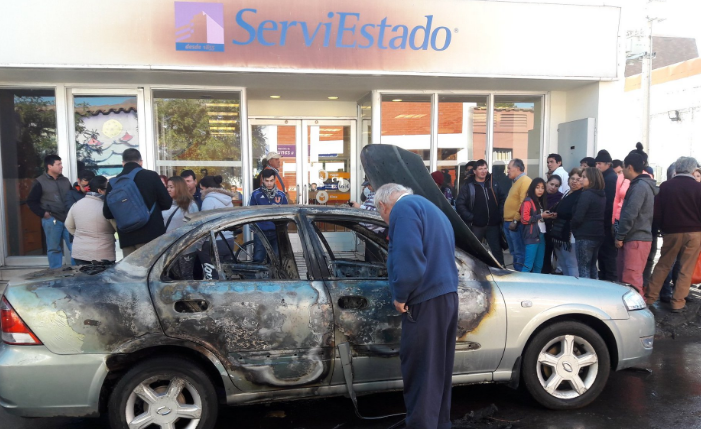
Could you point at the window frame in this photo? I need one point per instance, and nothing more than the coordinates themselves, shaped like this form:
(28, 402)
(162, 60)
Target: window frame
(317, 242)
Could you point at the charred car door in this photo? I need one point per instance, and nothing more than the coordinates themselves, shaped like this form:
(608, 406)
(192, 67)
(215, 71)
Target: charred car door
(269, 319)
(354, 266)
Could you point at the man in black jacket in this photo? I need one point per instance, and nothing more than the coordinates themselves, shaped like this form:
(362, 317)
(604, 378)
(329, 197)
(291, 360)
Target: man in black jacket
(80, 188)
(608, 254)
(152, 190)
(480, 204)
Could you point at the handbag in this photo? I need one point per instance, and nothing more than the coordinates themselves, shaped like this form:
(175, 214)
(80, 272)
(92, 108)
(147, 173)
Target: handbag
(696, 277)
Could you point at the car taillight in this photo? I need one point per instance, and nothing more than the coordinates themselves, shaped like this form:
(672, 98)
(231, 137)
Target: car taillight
(14, 331)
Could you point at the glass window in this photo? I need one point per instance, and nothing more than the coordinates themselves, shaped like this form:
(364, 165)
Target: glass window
(252, 251)
(282, 139)
(199, 131)
(406, 122)
(105, 126)
(517, 132)
(353, 249)
(462, 131)
(27, 135)
(328, 164)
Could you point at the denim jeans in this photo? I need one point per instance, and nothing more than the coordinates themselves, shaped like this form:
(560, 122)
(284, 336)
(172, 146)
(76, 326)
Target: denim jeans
(516, 247)
(587, 252)
(55, 232)
(259, 253)
(567, 259)
(535, 254)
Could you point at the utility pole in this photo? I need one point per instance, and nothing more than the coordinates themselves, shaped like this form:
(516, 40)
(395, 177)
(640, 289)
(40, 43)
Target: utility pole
(645, 86)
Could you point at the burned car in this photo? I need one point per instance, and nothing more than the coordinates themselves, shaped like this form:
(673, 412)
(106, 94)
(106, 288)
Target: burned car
(152, 343)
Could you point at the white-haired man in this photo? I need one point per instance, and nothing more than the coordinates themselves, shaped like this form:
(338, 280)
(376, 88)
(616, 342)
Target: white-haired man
(423, 279)
(678, 216)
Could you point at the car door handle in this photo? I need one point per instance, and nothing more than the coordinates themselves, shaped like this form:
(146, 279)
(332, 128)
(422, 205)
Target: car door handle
(352, 302)
(191, 306)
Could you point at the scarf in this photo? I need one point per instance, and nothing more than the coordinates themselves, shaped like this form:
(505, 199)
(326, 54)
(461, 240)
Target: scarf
(269, 193)
(94, 194)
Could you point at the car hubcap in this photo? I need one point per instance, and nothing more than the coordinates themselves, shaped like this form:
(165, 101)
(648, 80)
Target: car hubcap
(163, 403)
(567, 366)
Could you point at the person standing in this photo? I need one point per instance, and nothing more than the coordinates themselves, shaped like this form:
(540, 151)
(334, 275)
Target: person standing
(561, 231)
(587, 162)
(533, 217)
(155, 198)
(588, 221)
(697, 174)
(608, 251)
(480, 204)
(274, 164)
(267, 195)
(678, 214)
(183, 203)
(553, 197)
(512, 205)
(79, 189)
(439, 178)
(555, 168)
(93, 235)
(423, 280)
(634, 235)
(192, 186)
(46, 200)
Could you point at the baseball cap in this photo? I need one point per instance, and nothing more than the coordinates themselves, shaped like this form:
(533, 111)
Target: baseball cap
(272, 155)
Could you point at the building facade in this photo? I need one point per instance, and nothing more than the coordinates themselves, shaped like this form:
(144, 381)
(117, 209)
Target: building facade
(215, 86)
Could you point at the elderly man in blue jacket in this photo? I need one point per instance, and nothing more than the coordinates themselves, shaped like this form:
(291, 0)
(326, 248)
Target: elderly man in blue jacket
(423, 278)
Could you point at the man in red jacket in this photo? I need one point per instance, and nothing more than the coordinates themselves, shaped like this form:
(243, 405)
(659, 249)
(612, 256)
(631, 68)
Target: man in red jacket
(678, 215)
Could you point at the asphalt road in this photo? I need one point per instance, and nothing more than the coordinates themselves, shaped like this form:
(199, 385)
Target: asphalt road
(669, 397)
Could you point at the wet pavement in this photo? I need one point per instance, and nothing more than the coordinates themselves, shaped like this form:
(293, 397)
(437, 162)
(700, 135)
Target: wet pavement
(669, 397)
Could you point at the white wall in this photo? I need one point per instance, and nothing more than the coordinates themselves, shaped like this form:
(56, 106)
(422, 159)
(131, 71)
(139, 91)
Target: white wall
(292, 109)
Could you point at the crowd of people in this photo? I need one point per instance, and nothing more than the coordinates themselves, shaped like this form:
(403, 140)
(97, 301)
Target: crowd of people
(82, 218)
(600, 220)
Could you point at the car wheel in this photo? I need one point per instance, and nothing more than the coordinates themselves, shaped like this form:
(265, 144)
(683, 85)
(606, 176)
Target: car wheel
(167, 393)
(566, 366)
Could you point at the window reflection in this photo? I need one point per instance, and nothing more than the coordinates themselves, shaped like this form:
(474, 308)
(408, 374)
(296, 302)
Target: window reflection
(27, 135)
(517, 131)
(406, 122)
(199, 131)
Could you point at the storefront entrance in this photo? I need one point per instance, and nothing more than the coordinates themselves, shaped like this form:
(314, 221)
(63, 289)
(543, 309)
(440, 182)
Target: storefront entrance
(319, 157)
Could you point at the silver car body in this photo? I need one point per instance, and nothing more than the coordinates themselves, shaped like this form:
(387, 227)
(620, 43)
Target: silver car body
(271, 344)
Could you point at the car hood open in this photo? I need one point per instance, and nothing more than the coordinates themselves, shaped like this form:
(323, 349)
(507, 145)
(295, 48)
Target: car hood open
(384, 163)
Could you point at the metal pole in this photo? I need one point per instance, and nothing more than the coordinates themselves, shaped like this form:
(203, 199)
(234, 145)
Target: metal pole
(646, 84)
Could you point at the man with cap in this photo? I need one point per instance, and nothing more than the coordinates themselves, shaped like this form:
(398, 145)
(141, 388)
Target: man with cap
(368, 204)
(274, 163)
(608, 254)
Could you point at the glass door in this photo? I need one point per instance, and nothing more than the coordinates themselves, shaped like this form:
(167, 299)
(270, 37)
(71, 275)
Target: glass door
(317, 157)
(282, 136)
(329, 161)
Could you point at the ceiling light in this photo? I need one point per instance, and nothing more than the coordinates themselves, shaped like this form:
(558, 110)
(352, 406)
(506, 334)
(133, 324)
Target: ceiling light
(397, 99)
(274, 96)
(333, 98)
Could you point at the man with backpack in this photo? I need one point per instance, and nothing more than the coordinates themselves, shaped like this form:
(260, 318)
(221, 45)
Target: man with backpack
(135, 199)
(480, 204)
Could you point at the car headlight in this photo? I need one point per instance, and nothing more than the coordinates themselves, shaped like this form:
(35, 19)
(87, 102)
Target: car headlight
(633, 301)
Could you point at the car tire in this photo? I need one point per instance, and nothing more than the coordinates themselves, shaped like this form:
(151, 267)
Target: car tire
(164, 391)
(566, 366)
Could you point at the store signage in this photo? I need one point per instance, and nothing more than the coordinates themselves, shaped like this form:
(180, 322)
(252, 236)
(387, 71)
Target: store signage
(350, 32)
(456, 38)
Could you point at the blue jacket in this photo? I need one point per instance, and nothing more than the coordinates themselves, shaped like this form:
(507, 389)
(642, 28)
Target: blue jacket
(421, 260)
(259, 198)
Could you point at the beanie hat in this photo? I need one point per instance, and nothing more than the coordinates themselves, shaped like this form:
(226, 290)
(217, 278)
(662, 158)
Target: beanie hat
(437, 177)
(603, 156)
